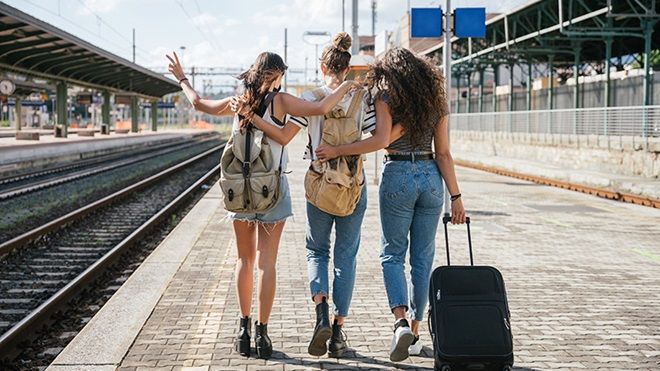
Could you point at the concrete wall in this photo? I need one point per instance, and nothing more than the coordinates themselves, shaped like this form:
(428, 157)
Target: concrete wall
(619, 155)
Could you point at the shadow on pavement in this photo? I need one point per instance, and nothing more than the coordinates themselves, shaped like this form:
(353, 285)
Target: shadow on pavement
(349, 356)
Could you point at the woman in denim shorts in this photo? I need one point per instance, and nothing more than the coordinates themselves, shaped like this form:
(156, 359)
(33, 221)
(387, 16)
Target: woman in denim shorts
(258, 234)
(411, 104)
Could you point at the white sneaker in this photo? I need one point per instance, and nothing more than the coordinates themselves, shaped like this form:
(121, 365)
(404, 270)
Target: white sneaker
(416, 347)
(401, 340)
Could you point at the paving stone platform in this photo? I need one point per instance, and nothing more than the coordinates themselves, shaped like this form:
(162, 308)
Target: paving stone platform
(582, 274)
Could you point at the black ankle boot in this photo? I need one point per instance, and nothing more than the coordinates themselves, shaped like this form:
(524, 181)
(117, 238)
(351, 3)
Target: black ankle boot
(242, 342)
(337, 341)
(322, 332)
(262, 341)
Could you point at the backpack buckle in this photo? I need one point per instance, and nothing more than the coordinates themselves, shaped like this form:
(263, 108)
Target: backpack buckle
(246, 169)
(230, 195)
(264, 191)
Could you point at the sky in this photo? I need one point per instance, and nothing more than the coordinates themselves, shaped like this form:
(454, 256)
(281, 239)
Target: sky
(219, 33)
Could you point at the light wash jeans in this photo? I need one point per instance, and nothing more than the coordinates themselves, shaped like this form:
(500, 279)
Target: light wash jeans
(411, 198)
(347, 241)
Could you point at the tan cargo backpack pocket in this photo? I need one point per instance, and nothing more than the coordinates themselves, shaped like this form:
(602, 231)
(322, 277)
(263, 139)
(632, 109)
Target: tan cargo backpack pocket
(234, 194)
(264, 191)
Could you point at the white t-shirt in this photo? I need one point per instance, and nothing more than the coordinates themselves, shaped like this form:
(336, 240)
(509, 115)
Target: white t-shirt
(278, 151)
(366, 116)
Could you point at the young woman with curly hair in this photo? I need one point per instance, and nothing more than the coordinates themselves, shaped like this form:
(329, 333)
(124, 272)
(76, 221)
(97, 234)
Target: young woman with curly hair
(411, 103)
(258, 234)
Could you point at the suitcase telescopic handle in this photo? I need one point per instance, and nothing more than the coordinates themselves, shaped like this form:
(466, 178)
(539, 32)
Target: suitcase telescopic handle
(447, 219)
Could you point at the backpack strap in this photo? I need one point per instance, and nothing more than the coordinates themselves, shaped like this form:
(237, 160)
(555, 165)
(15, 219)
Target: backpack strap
(268, 101)
(355, 103)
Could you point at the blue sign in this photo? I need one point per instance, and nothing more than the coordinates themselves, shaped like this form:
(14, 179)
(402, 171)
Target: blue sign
(470, 22)
(426, 22)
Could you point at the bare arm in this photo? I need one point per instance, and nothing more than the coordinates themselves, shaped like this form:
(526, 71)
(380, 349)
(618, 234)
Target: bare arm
(212, 107)
(299, 107)
(396, 132)
(281, 135)
(379, 140)
(445, 164)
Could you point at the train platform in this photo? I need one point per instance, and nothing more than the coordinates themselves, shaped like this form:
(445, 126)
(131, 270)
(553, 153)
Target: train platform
(19, 155)
(582, 275)
(644, 187)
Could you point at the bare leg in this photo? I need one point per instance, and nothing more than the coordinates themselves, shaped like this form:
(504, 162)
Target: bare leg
(269, 242)
(414, 327)
(399, 312)
(246, 243)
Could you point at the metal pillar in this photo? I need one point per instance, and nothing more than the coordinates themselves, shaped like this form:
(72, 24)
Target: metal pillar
(446, 60)
(134, 114)
(496, 77)
(551, 82)
(458, 91)
(608, 84)
(511, 87)
(576, 74)
(481, 90)
(354, 30)
(18, 108)
(468, 109)
(648, 33)
(62, 111)
(154, 115)
(105, 109)
(529, 85)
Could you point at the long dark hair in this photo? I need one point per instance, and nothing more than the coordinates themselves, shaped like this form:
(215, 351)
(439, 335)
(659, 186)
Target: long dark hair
(258, 78)
(413, 88)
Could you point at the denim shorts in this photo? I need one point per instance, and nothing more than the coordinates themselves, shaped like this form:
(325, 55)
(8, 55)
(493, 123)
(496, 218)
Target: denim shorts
(278, 213)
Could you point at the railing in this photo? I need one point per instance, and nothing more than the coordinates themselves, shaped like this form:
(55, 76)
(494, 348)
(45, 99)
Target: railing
(640, 123)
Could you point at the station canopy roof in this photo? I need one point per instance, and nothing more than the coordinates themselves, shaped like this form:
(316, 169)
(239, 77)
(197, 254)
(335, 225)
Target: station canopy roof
(537, 31)
(32, 47)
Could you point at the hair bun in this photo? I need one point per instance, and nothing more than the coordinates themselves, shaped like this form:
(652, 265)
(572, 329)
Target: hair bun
(342, 41)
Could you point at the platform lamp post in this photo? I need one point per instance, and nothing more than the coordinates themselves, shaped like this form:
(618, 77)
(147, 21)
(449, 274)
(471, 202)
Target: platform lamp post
(316, 38)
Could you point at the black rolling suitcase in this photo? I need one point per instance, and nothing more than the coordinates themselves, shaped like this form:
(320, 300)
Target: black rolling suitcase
(469, 316)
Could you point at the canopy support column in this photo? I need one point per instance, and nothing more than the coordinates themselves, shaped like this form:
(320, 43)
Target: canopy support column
(134, 114)
(60, 102)
(154, 115)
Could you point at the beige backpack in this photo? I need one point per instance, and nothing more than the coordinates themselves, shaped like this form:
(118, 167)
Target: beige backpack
(334, 186)
(249, 179)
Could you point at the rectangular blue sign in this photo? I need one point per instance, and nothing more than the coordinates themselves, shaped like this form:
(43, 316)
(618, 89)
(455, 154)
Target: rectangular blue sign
(426, 22)
(470, 22)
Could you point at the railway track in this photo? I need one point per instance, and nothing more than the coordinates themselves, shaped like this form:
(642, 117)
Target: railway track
(14, 185)
(40, 200)
(44, 268)
(600, 192)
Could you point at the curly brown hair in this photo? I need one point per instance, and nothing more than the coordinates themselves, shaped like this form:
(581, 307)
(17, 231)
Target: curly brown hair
(414, 90)
(336, 56)
(257, 79)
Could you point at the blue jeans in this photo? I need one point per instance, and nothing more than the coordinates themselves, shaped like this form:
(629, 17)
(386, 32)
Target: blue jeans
(411, 198)
(347, 241)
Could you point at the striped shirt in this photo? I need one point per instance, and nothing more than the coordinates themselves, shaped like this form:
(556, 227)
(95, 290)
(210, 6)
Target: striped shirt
(366, 116)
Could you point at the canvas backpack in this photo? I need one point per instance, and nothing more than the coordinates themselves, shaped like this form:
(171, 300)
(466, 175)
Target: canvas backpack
(250, 180)
(335, 186)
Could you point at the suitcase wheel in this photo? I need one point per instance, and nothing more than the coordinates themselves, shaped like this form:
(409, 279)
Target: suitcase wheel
(507, 368)
(441, 366)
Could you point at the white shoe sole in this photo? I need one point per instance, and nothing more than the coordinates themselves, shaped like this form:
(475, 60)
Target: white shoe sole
(400, 351)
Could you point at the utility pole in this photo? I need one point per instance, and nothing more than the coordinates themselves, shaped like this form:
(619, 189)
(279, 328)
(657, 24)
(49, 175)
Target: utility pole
(373, 19)
(447, 71)
(133, 45)
(343, 15)
(354, 33)
(286, 45)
